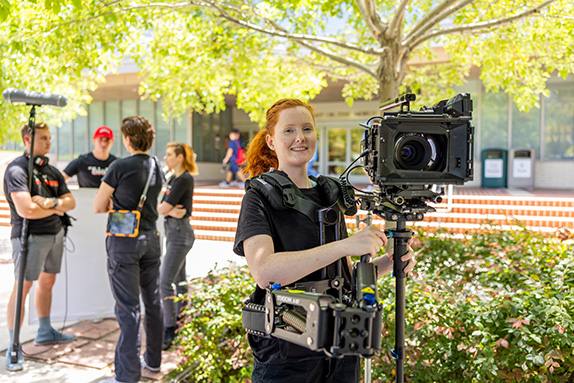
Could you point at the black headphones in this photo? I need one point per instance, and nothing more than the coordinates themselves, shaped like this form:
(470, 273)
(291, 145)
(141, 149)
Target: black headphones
(39, 161)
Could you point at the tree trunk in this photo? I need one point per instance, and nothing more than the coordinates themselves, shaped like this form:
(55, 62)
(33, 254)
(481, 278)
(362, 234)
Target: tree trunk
(389, 79)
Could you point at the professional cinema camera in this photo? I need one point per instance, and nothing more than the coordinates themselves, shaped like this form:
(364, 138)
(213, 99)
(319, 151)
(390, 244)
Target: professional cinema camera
(407, 155)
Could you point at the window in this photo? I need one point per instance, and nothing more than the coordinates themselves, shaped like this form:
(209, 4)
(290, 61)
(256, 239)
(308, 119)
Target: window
(559, 122)
(80, 133)
(211, 135)
(112, 121)
(494, 123)
(64, 136)
(95, 118)
(526, 129)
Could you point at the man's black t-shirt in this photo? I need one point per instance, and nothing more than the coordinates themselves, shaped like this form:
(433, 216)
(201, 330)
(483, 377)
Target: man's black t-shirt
(89, 169)
(290, 230)
(128, 177)
(16, 180)
(180, 192)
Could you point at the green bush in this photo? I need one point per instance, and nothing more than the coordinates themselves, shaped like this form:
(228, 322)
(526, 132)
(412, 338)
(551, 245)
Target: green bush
(494, 306)
(212, 339)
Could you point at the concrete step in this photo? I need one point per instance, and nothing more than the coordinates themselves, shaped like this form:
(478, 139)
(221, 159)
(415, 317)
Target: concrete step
(216, 211)
(209, 235)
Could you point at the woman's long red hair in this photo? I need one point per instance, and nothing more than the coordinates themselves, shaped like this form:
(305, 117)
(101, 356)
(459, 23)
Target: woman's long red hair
(260, 159)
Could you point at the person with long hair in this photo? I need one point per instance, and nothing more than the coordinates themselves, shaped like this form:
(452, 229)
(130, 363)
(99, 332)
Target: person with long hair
(176, 206)
(283, 247)
(133, 262)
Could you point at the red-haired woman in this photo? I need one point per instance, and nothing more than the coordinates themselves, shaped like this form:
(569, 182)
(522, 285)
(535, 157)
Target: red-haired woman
(176, 206)
(282, 246)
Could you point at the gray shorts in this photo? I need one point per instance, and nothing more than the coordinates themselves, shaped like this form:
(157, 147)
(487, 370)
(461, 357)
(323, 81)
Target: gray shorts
(44, 255)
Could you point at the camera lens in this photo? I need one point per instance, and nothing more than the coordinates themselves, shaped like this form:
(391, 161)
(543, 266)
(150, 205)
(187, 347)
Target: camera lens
(415, 151)
(408, 153)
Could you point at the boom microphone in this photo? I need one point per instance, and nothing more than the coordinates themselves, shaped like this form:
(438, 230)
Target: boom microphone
(29, 97)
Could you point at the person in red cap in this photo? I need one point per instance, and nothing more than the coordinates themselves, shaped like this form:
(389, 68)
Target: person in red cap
(92, 167)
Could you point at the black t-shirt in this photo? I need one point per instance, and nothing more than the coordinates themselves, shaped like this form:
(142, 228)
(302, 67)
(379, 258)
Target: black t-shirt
(16, 180)
(290, 230)
(128, 177)
(180, 192)
(89, 169)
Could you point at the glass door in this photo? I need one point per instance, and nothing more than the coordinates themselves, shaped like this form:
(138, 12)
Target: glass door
(342, 145)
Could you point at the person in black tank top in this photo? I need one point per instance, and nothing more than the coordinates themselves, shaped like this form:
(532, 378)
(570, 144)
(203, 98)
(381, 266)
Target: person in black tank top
(176, 206)
(283, 246)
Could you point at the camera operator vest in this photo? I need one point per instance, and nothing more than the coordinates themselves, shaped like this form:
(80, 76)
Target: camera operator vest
(283, 194)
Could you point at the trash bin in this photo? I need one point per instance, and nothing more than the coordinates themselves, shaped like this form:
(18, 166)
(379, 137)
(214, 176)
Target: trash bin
(521, 168)
(494, 168)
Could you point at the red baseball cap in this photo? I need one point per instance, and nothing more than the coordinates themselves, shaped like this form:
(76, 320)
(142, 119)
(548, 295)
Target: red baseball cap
(104, 131)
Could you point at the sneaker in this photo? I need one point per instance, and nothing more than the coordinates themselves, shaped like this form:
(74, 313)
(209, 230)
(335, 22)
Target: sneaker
(240, 185)
(168, 337)
(146, 366)
(52, 337)
(19, 365)
(223, 184)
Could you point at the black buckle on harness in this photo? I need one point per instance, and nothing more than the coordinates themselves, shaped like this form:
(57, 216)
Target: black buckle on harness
(289, 197)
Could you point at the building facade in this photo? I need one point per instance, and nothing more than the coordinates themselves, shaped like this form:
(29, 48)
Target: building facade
(548, 131)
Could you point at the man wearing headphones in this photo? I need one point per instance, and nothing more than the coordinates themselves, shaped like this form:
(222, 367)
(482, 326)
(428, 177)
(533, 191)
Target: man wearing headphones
(92, 167)
(43, 207)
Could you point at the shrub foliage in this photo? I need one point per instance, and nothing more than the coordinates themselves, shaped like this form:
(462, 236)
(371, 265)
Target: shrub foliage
(494, 306)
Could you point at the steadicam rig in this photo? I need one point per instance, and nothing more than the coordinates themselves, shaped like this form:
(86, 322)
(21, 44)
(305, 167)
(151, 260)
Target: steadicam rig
(340, 323)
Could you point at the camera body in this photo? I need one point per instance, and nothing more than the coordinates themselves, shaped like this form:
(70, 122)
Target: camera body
(406, 153)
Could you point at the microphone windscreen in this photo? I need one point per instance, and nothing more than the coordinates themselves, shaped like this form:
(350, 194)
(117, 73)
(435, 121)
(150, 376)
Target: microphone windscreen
(29, 97)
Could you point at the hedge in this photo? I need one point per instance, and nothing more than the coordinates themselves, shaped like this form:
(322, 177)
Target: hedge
(492, 306)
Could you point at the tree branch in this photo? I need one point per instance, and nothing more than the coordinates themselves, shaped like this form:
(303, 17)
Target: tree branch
(424, 21)
(433, 19)
(394, 30)
(369, 14)
(477, 27)
(332, 55)
(284, 34)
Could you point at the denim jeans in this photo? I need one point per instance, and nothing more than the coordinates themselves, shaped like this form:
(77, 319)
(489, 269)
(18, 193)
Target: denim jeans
(133, 267)
(179, 240)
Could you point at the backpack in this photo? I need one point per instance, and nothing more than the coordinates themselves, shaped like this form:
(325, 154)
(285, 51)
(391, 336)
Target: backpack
(241, 157)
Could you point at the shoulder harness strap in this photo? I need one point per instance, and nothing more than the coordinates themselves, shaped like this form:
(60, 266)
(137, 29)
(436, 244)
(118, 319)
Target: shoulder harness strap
(283, 194)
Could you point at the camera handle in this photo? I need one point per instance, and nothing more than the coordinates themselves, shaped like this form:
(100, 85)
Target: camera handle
(400, 237)
(368, 220)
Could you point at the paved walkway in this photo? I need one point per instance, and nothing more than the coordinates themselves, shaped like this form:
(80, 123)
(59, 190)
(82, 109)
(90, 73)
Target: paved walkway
(90, 358)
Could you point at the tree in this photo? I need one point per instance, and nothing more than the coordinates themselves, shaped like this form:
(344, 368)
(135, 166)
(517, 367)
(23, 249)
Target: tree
(193, 53)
